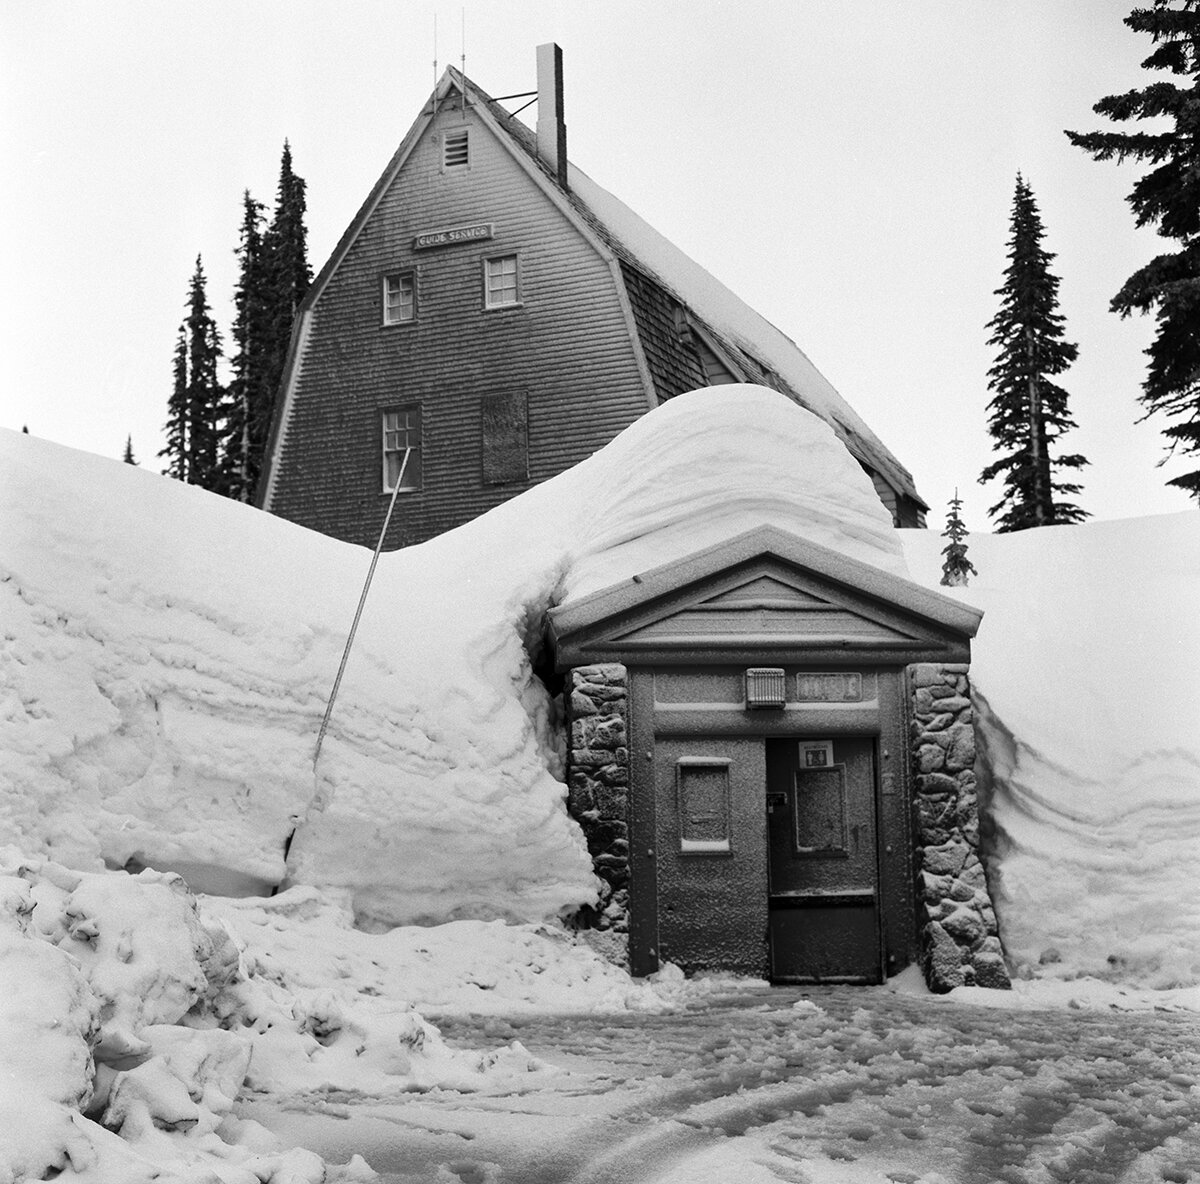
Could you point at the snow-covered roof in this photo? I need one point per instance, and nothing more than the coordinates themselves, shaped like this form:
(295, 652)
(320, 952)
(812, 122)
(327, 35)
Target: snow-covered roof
(762, 353)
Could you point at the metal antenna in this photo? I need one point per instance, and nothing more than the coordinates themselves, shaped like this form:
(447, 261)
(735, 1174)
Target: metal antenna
(433, 101)
(362, 600)
(463, 61)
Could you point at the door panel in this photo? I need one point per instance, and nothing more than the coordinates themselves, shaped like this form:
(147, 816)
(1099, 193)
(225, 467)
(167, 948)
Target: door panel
(823, 872)
(711, 853)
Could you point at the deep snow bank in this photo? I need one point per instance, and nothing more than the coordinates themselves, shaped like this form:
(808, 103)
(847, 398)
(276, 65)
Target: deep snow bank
(114, 1066)
(167, 656)
(1089, 714)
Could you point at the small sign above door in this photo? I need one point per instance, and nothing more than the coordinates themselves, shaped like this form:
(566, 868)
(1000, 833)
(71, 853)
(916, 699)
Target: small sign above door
(838, 687)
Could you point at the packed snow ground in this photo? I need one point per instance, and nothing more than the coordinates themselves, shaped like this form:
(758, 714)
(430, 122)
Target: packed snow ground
(166, 656)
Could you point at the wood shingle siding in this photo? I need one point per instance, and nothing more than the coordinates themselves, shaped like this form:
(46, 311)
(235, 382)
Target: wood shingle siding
(565, 345)
(674, 362)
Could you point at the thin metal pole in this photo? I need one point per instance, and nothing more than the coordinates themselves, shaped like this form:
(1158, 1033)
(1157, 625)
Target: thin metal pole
(362, 600)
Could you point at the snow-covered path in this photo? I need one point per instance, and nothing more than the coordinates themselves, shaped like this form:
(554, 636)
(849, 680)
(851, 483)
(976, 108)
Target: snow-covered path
(813, 1086)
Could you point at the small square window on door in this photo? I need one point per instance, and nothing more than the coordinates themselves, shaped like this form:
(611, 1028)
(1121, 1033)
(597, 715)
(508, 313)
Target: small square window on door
(702, 794)
(819, 811)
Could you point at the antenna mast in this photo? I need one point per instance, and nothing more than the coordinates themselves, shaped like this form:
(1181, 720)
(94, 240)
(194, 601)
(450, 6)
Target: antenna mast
(433, 101)
(463, 61)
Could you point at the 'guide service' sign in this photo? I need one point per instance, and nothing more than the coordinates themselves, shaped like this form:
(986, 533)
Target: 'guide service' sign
(452, 235)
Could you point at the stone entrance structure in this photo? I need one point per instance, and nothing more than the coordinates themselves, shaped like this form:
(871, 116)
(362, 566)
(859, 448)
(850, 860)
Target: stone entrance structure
(771, 754)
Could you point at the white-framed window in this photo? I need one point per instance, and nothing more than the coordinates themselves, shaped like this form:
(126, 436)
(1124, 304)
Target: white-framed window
(500, 286)
(401, 431)
(456, 148)
(399, 298)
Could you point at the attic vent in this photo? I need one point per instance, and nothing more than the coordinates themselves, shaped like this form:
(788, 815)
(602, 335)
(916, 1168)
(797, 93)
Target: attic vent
(456, 149)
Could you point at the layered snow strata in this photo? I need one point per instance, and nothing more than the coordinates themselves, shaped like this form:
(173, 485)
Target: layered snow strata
(1089, 728)
(168, 655)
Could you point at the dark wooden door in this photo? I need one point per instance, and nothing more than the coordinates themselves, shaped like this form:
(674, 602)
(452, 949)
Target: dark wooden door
(823, 860)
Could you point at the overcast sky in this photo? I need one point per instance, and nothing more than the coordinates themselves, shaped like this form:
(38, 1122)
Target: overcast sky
(847, 169)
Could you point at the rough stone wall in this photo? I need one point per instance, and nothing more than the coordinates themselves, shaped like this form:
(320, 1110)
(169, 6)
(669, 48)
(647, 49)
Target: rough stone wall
(598, 784)
(960, 940)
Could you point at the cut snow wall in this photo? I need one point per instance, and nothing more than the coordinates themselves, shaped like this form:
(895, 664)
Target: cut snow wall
(168, 655)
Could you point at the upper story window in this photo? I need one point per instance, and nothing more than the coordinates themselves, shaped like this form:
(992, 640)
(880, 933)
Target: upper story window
(500, 282)
(399, 298)
(456, 148)
(402, 433)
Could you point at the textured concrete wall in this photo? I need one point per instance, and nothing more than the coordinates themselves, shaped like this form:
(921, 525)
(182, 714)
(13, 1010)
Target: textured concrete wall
(960, 941)
(598, 783)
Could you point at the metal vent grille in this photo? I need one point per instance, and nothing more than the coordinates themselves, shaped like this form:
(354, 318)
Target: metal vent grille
(456, 149)
(765, 687)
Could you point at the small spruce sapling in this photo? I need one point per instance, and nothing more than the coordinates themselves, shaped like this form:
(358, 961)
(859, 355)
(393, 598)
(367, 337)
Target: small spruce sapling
(957, 566)
(128, 456)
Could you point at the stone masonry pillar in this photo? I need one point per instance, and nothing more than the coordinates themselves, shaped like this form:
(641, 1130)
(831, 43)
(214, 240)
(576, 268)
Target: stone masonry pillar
(960, 939)
(598, 783)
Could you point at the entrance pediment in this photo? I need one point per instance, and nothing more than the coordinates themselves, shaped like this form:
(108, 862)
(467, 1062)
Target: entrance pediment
(764, 594)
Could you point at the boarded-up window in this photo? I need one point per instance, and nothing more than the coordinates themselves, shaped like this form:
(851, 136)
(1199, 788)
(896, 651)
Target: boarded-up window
(702, 790)
(504, 433)
(820, 811)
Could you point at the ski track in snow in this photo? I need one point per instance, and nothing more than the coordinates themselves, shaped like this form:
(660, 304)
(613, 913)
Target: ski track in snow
(850, 1086)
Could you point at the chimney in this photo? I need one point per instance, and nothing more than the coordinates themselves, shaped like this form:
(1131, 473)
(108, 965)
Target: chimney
(551, 128)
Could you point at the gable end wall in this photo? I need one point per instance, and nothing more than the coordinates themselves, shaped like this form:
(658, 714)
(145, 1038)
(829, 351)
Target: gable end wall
(566, 349)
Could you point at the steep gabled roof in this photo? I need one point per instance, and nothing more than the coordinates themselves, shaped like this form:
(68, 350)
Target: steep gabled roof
(754, 349)
(657, 278)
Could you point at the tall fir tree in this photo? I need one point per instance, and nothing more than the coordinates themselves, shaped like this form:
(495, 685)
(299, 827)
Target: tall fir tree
(1167, 196)
(175, 450)
(250, 393)
(196, 411)
(287, 279)
(1028, 411)
(956, 567)
(206, 395)
(127, 456)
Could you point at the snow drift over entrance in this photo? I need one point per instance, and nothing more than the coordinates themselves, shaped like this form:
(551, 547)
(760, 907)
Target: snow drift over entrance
(1084, 673)
(168, 654)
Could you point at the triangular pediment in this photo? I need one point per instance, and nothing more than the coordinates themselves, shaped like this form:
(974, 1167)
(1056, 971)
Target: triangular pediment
(766, 602)
(764, 596)
(767, 591)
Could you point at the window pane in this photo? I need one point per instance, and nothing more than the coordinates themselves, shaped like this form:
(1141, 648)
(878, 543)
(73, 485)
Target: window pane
(501, 281)
(399, 299)
(401, 429)
(820, 811)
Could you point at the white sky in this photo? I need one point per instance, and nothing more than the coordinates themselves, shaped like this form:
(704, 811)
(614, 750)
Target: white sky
(847, 169)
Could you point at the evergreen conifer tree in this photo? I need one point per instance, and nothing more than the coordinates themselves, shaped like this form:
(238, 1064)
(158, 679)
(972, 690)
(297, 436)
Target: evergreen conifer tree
(128, 456)
(205, 394)
(176, 448)
(250, 393)
(287, 277)
(1168, 196)
(956, 567)
(1028, 411)
(196, 411)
